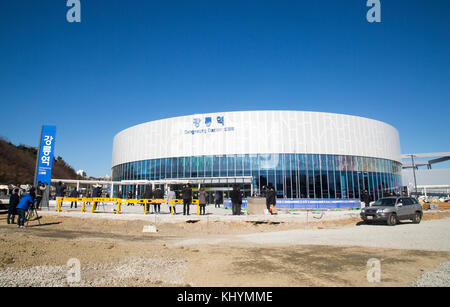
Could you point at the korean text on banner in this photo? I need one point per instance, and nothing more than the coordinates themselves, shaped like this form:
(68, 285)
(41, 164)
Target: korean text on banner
(46, 149)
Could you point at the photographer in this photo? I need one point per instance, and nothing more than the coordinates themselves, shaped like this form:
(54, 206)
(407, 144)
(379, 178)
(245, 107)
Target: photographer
(25, 202)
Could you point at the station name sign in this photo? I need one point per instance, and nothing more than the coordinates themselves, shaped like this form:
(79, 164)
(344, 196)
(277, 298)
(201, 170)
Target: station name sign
(45, 159)
(208, 124)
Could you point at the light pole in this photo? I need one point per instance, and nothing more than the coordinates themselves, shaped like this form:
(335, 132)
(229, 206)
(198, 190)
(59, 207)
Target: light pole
(414, 173)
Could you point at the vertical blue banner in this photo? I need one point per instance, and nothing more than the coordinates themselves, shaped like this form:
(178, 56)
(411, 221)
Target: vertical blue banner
(45, 159)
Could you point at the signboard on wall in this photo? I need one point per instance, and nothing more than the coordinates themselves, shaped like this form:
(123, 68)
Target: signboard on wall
(45, 157)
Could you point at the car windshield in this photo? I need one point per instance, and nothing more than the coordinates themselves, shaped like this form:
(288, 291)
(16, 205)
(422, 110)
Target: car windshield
(385, 202)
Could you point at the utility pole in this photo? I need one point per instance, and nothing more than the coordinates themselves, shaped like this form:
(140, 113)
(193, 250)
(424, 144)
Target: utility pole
(414, 173)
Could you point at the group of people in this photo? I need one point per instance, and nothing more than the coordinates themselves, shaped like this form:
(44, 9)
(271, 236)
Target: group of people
(20, 204)
(186, 195)
(149, 194)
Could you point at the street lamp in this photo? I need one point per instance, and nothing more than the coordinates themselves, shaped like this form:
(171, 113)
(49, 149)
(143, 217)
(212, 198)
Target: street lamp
(414, 173)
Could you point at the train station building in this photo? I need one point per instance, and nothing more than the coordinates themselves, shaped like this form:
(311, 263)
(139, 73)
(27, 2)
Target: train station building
(310, 155)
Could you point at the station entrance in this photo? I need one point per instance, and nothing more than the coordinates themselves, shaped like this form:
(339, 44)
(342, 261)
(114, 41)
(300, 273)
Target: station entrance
(220, 185)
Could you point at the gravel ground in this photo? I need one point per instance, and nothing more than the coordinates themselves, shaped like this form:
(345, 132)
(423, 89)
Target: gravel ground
(137, 270)
(437, 278)
(428, 235)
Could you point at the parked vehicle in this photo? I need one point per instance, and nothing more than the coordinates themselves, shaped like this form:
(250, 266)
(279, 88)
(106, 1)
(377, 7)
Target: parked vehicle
(392, 210)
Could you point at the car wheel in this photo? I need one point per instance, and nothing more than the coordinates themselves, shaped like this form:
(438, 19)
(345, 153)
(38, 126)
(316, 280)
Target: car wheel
(392, 220)
(417, 218)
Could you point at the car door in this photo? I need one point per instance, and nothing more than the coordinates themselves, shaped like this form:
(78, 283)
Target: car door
(402, 208)
(411, 207)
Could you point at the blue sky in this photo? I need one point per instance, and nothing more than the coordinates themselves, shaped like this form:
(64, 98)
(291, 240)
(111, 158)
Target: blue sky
(130, 62)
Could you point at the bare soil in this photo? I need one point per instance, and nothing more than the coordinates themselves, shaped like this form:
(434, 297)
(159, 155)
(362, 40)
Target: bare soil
(105, 241)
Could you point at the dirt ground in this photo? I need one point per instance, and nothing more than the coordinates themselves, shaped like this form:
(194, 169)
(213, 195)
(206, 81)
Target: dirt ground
(97, 242)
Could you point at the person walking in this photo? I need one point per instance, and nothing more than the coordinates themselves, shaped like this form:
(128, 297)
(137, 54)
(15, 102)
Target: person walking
(236, 200)
(366, 198)
(202, 200)
(22, 207)
(271, 199)
(187, 199)
(13, 202)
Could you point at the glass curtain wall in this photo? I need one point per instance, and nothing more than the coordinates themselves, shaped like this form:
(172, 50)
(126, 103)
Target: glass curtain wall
(292, 175)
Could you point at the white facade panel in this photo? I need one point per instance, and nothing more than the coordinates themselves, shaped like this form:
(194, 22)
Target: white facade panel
(257, 132)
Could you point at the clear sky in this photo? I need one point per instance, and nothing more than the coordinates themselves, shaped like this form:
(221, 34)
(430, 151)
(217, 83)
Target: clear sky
(130, 62)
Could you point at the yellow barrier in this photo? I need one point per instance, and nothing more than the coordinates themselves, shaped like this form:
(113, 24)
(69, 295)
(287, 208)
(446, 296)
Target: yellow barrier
(96, 200)
(60, 202)
(119, 201)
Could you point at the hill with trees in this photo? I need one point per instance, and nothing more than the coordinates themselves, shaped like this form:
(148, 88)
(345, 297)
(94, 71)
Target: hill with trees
(18, 163)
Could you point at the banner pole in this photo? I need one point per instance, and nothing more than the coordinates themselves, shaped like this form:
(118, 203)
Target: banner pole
(38, 153)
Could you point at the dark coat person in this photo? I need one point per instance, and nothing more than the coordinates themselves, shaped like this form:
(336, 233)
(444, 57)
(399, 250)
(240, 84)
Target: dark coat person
(74, 194)
(236, 200)
(366, 198)
(13, 202)
(60, 189)
(187, 199)
(271, 198)
(148, 194)
(202, 200)
(158, 194)
(40, 190)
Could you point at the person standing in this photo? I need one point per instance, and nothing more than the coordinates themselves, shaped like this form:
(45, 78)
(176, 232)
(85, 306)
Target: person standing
(60, 189)
(158, 195)
(148, 195)
(187, 199)
(40, 190)
(202, 200)
(236, 200)
(171, 196)
(130, 196)
(23, 206)
(13, 202)
(217, 200)
(74, 194)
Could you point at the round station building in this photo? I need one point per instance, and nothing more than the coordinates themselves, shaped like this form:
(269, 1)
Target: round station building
(301, 154)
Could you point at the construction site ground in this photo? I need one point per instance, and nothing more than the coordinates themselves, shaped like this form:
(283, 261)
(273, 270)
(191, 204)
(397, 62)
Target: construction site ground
(290, 249)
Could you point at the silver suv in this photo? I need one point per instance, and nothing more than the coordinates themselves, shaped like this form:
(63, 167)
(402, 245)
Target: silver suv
(393, 209)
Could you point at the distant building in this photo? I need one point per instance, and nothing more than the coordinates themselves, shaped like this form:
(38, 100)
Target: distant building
(81, 173)
(420, 169)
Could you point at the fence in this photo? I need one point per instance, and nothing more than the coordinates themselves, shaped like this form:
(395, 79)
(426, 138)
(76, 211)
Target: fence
(296, 203)
(117, 204)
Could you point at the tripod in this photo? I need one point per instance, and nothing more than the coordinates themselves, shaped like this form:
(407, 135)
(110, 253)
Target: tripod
(32, 212)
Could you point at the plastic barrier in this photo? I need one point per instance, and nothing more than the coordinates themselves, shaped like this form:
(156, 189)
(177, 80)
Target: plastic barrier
(119, 202)
(60, 203)
(309, 203)
(97, 200)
